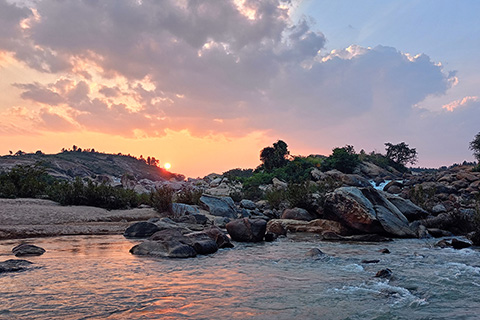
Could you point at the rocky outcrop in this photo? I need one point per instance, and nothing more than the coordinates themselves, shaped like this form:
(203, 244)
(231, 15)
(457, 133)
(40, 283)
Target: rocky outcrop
(366, 211)
(24, 250)
(318, 226)
(247, 230)
(410, 210)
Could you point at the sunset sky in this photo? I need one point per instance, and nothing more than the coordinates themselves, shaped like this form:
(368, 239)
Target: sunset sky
(205, 85)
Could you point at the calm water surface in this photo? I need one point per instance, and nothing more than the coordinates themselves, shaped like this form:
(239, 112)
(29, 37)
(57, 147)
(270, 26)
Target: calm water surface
(95, 277)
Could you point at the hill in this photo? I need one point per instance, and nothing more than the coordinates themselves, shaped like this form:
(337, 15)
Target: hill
(70, 164)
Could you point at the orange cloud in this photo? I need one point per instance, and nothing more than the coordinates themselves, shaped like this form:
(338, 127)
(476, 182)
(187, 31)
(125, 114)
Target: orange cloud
(459, 103)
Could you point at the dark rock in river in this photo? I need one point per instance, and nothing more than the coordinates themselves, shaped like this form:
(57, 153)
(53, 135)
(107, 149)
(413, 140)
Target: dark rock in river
(332, 236)
(314, 253)
(14, 265)
(141, 230)
(384, 273)
(370, 261)
(247, 230)
(222, 240)
(453, 243)
(24, 249)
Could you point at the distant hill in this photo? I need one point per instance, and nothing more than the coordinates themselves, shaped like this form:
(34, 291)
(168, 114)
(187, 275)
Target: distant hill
(69, 164)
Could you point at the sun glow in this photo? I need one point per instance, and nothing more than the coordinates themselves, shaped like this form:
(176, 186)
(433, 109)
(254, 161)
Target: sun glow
(167, 165)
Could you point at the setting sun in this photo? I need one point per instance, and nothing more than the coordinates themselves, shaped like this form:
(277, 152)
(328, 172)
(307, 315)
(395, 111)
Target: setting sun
(167, 165)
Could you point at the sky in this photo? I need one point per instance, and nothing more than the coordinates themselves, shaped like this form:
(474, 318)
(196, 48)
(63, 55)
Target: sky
(205, 85)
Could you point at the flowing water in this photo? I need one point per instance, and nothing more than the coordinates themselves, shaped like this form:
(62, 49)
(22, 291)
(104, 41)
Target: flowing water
(95, 277)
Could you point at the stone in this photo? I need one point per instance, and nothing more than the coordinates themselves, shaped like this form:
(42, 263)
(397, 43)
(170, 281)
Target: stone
(314, 253)
(221, 239)
(366, 210)
(219, 206)
(14, 265)
(141, 230)
(366, 261)
(439, 208)
(278, 184)
(384, 251)
(25, 249)
(394, 187)
(297, 214)
(331, 236)
(459, 244)
(384, 273)
(180, 209)
(247, 230)
(248, 204)
(438, 233)
(410, 210)
(318, 226)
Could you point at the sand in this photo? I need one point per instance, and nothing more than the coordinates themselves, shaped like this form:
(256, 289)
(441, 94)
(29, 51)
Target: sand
(26, 218)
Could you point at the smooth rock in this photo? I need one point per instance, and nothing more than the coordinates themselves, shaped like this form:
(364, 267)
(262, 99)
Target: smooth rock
(219, 206)
(25, 249)
(247, 230)
(141, 230)
(14, 265)
(221, 239)
(248, 204)
(384, 273)
(297, 214)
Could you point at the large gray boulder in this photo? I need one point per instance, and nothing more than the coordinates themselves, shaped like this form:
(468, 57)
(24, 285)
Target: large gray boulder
(366, 210)
(410, 210)
(219, 206)
(247, 230)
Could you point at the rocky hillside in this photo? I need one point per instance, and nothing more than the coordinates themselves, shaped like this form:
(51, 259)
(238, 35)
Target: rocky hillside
(70, 164)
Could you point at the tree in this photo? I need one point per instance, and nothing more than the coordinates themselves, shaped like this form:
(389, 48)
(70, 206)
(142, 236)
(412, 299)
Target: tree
(343, 159)
(400, 153)
(475, 147)
(276, 156)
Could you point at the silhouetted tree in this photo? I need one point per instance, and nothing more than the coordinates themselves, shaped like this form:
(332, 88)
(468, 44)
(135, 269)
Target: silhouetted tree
(400, 153)
(475, 146)
(276, 156)
(343, 159)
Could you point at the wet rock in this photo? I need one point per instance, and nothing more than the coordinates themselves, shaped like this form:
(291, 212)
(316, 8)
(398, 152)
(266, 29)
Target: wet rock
(14, 265)
(24, 250)
(366, 261)
(438, 233)
(297, 214)
(442, 244)
(384, 251)
(221, 239)
(384, 273)
(166, 243)
(331, 236)
(270, 236)
(459, 244)
(314, 253)
(247, 230)
(141, 230)
(219, 206)
(393, 187)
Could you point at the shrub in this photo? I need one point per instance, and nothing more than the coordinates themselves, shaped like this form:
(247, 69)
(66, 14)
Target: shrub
(161, 199)
(189, 195)
(300, 195)
(343, 159)
(26, 181)
(275, 197)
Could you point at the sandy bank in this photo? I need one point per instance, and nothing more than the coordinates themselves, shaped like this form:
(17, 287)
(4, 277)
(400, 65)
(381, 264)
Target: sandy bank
(25, 218)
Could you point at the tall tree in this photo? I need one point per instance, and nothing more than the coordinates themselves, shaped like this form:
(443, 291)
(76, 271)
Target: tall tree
(276, 156)
(475, 147)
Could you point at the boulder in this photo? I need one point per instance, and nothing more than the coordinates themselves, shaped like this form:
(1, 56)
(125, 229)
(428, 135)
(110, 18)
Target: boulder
(297, 214)
(221, 239)
(393, 187)
(410, 210)
(332, 236)
(248, 204)
(247, 230)
(162, 249)
(14, 265)
(219, 206)
(24, 249)
(384, 273)
(439, 208)
(180, 209)
(202, 243)
(317, 226)
(278, 184)
(453, 243)
(366, 210)
(314, 253)
(142, 229)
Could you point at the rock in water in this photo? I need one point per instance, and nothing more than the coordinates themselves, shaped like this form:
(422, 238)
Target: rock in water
(314, 253)
(219, 206)
(24, 249)
(247, 230)
(141, 230)
(14, 265)
(222, 240)
(384, 273)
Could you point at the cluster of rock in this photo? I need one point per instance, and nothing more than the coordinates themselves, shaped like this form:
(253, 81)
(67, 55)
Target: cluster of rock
(22, 250)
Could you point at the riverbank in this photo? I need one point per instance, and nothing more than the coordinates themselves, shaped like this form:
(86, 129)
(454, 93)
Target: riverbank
(26, 218)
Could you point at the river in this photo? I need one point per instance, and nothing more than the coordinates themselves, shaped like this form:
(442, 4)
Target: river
(95, 277)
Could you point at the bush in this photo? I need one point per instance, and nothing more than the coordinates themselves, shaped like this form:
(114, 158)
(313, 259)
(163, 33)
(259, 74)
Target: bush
(343, 159)
(27, 181)
(275, 197)
(300, 195)
(161, 199)
(189, 195)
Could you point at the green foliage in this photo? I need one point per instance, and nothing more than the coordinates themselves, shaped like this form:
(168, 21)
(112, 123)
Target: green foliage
(275, 197)
(343, 159)
(475, 147)
(162, 198)
(189, 195)
(299, 195)
(400, 153)
(238, 174)
(421, 196)
(274, 157)
(93, 194)
(26, 181)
